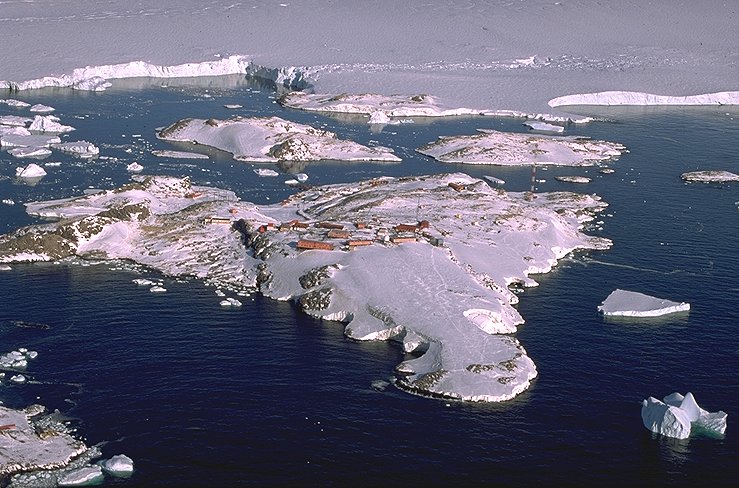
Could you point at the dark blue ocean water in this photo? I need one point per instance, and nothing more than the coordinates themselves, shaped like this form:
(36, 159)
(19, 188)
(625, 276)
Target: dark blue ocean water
(265, 396)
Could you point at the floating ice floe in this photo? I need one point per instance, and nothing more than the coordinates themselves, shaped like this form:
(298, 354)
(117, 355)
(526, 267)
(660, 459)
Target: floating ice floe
(676, 416)
(634, 304)
(41, 109)
(85, 476)
(30, 140)
(31, 171)
(12, 102)
(515, 149)
(82, 149)
(157, 289)
(272, 139)
(495, 181)
(573, 179)
(18, 378)
(5, 267)
(233, 106)
(17, 359)
(120, 466)
(301, 177)
(49, 123)
(230, 302)
(14, 120)
(606, 171)
(540, 126)
(266, 172)
(30, 152)
(134, 167)
(711, 176)
(179, 154)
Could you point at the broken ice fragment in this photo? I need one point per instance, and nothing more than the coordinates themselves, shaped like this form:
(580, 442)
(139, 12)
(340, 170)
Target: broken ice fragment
(635, 304)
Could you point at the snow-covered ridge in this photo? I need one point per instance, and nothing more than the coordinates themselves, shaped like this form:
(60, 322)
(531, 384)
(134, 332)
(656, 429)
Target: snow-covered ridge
(272, 139)
(95, 78)
(641, 98)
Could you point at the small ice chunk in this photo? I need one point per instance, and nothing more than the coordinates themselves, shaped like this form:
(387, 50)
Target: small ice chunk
(30, 152)
(30, 171)
(301, 177)
(41, 109)
(233, 106)
(82, 149)
(49, 123)
(633, 304)
(379, 117)
(495, 181)
(85, 476)
(543, 126)
(573, 179)
(230, 302)
(5, 267)
(142, 281)
(134, 167)
(157, 289)
(18, 378)
(11, 102)
(120, 466)
(266, 172)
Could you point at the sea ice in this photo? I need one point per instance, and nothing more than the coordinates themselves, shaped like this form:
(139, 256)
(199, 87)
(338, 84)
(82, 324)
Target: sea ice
(635, 304)
(41, 109)
(676, 415)
(134, 167)
(82, 149)
(14, 120)
(179, 154)
(31, 171)
(85, 476)
(119, 465)
(49, 123)
(30, 152)
(540, 126)
(710, 176)
(157, 289)
(266, 172)
(12, 102)
(230, 302)
(573, 179)
(31, 140)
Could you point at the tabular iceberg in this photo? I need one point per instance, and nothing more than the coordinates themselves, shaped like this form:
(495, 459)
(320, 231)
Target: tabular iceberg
(634, 304)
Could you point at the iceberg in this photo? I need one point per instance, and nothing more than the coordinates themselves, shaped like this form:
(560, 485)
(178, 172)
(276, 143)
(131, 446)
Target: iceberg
(540, 126)
(49, 123)
(30, 152)
(573, 179)
(230, 302)
(709, 176)
(120, 466)
(30, 171)
(676, 416)
(179, 154)
(41, 109)
(616, 97)
(271, 139)
(82, 149)
(266, 172)
(634, 304)
(134, 167)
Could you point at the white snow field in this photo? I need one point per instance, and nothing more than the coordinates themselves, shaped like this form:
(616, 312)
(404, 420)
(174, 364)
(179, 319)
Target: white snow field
(494, 55)
(634, 304)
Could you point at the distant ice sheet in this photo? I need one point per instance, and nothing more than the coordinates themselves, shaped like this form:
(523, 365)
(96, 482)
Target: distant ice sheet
(635, 304)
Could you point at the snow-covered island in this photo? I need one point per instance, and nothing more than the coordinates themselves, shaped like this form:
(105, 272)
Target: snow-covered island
(709, 176)
(424, 261)
(515, 149)
(625, 303)
(271, 139)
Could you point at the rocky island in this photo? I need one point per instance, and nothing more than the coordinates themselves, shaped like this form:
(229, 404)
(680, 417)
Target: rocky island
(425, 261)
